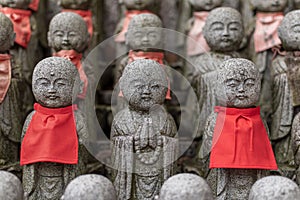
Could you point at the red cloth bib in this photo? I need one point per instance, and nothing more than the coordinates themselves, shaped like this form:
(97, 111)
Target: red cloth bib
(156, 56)
(128, 16)
(197, 44)
(34, 5)
(265, 35)
(240, 140)
(5, 75)
(87, 17)
(75, 58)
(51, 136)
(21, 21)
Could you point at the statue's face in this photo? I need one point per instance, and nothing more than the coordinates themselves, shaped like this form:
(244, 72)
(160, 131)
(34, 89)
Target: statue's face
(144, 90)
(139, 4)
(75, 4)
(144, 39)
(242, 88)
(205, 5)
(269, 5)
(20, 4)
(68, 35)
(224, 32)
(289, 31)
(7, 38)
(53, 87)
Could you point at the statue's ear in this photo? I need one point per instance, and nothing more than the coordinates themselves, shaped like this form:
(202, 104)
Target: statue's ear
(12, 38)
(49, 39)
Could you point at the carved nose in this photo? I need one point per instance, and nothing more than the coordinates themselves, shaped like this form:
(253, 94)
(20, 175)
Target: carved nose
(225, 32)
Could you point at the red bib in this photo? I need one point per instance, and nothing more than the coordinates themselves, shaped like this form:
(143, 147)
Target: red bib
(21, 21)
(5, 75)
(87, 17)
(34, 5)
(75, 58)
(265, 35)
(240, 140)
(128, 16)
(197, 44)
(51, 136)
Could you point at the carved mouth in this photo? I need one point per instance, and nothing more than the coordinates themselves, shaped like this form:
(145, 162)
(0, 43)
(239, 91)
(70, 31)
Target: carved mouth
(52, 97)
(241, 97)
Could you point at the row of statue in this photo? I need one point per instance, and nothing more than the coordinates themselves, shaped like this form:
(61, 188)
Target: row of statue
(244, 75)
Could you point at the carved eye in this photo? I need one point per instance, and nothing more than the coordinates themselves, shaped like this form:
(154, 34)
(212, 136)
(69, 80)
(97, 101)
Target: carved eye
(296, 28)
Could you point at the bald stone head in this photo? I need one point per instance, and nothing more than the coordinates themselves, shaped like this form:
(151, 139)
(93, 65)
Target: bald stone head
(7, 34)
(90, 187)
(274, 188)
(269, 5)
(238, 83)
(19, 4)
(74, 4)
(289, 31)
(223, 29)
(10, 187)
(55, 82)
(145, 32)
(144, 84)
(185, 186)
(68, 31)
(205, 5)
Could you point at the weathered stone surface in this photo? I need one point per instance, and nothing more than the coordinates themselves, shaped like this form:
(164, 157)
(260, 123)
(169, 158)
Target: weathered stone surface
(274, 187)
(10, 187)
(90, 187)
(185, 186)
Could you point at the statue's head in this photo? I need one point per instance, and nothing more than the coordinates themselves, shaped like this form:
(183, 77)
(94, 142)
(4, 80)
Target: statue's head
(55, 82)
(68, 31)
(205, 5)
(19, 4)
(223, 29)
(89, 187)
(7, 34)
(238, 83)
(144, 84)
(139, 4)
(145, 33)
(289, 31)
(10, 187)
(75, 4)
(269, 5)
(274, 187)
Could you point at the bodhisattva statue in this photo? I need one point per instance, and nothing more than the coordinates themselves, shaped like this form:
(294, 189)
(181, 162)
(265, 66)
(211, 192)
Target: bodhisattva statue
(285, 93)
(263, 43)
(236, 149)
(196, 44)
(143, 135)
(52, 150)
(10, 99)
(223, 32)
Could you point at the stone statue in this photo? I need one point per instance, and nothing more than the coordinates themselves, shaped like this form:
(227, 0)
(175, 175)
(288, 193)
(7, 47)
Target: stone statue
(295, 133)
(10, 105)
(132, 8)
(274, 187)
(55, 156)
(143, 135)
(68, 37)
(82, 8)
(223, 32)
(263, 42)
(90, 187)
(26, 50)
(236, 148)
(196, 44)
(285, 106)
(10, 187)
(185, 186)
